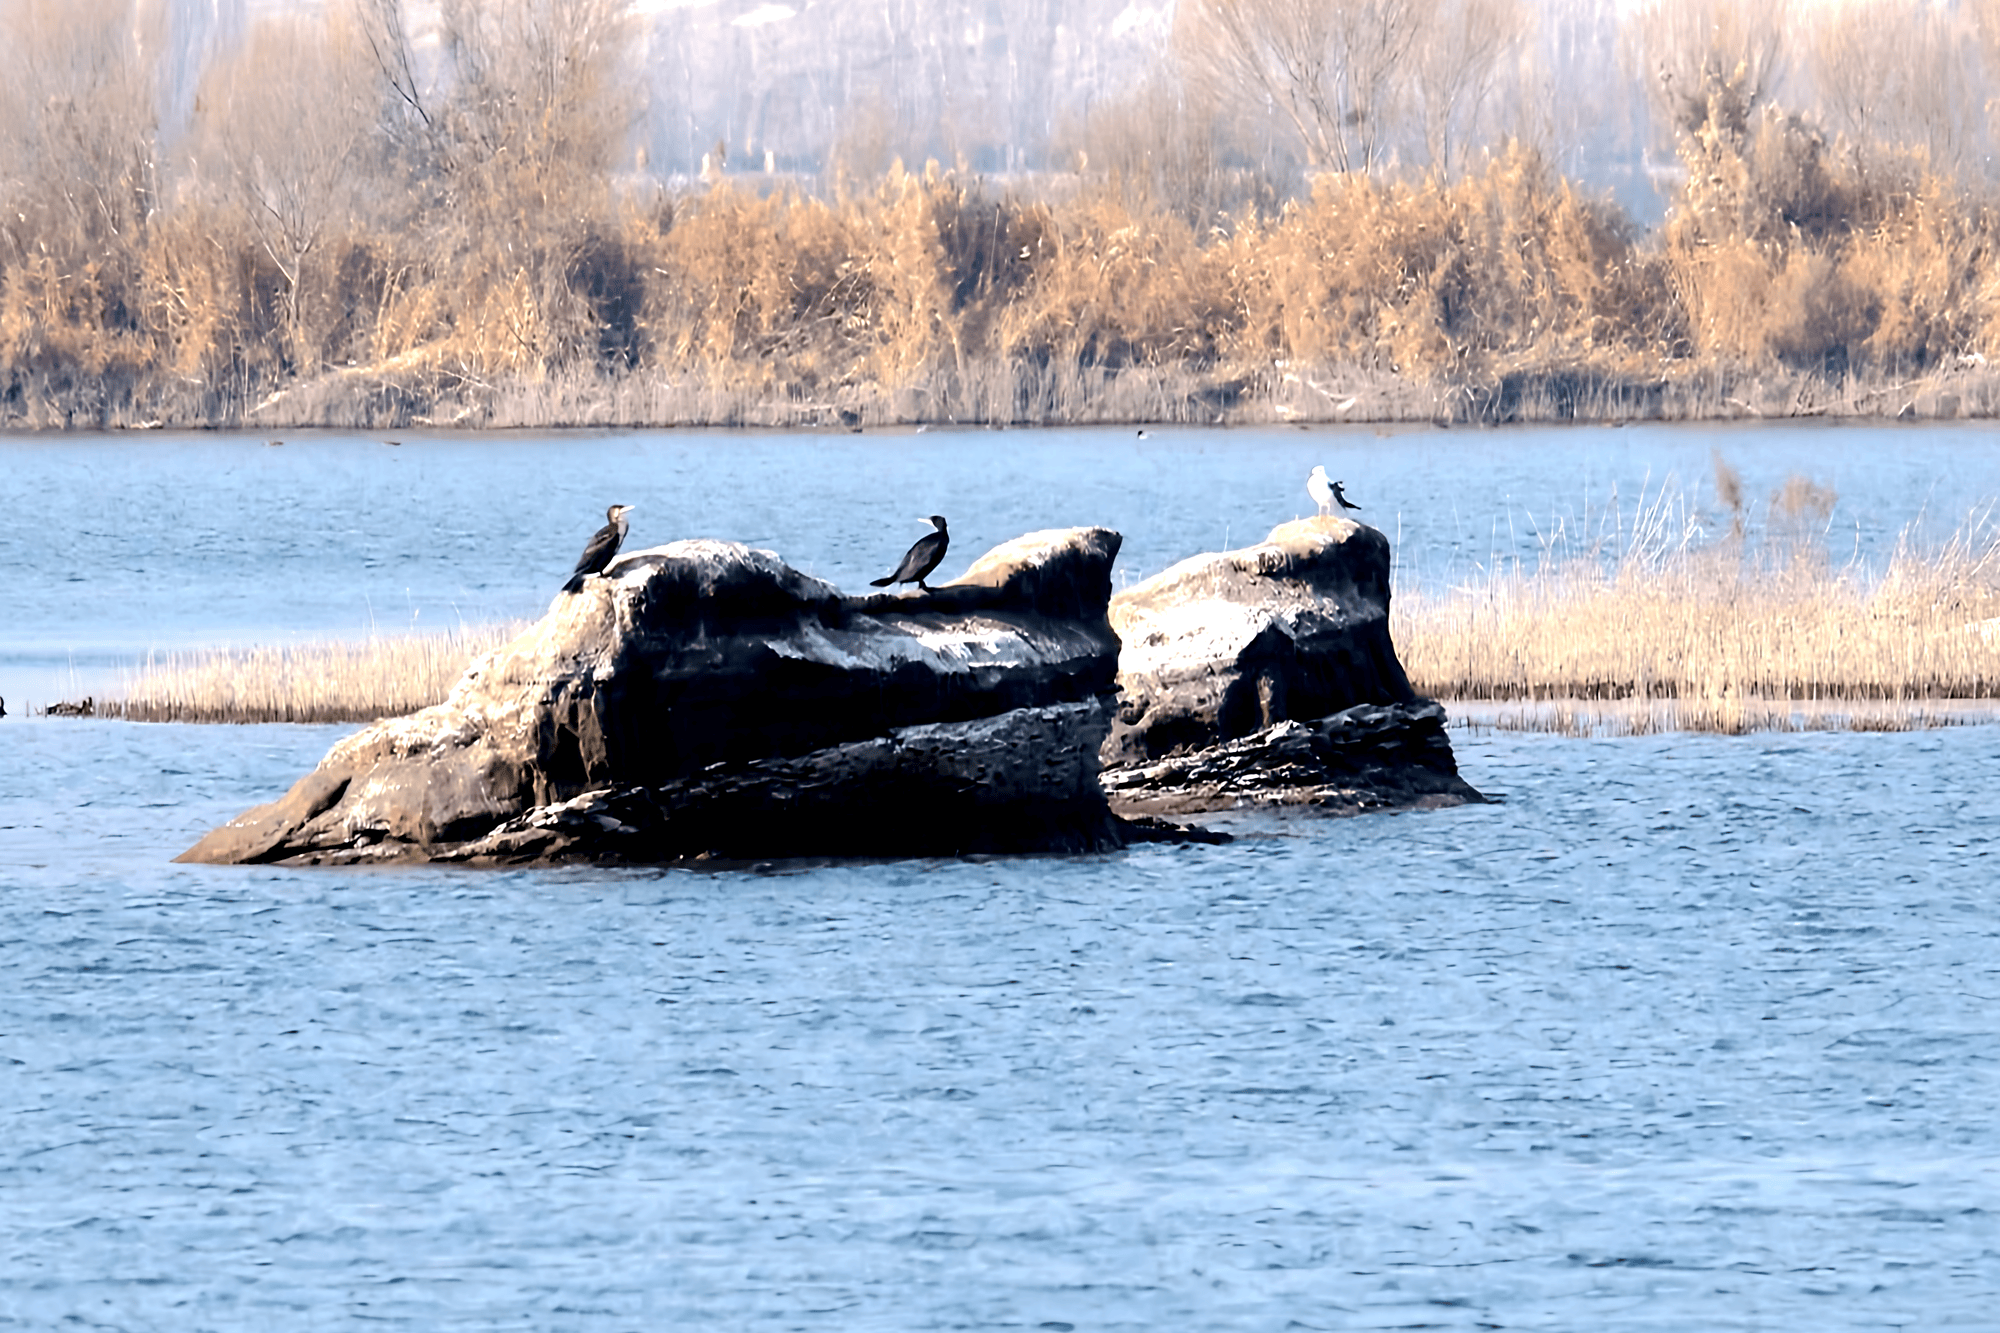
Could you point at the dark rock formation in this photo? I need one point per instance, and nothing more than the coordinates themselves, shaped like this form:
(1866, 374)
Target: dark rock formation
(1266, 675)
(706, 699)
(1024, 780)
(1224, 645)
(1368, 757)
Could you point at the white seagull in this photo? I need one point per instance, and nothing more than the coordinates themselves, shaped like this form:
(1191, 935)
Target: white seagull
(1320, 489)
(1326, 493)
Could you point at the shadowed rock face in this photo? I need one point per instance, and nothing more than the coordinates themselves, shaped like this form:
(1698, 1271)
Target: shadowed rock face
(1025, 780)
(1222, 646)
(752, 710)
(1361, 759)
(1266, 676)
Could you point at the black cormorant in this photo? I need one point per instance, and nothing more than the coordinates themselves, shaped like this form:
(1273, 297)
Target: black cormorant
(921, 559)
(601, 549)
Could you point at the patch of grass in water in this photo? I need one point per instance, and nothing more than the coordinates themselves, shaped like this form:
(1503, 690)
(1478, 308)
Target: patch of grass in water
(1661, 627)
(328, 681)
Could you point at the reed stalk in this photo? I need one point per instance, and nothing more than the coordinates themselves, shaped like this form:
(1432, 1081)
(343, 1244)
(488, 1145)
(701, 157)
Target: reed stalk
(1672, 632)
(329, 681)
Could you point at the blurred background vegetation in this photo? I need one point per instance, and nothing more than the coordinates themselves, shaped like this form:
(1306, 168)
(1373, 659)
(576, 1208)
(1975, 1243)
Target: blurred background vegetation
(537, 212)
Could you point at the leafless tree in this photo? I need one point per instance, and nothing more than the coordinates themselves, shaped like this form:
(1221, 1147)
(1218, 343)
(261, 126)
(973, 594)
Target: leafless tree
(384, 26)
(1709, 62)
(1564, 94)
(1333, 68)
(536, 108)
(287, 117)
(79, 124)
(1455, 67)
(1899, 74)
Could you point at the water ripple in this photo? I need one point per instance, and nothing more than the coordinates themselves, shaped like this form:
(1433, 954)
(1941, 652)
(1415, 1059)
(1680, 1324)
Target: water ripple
(1689, 1032)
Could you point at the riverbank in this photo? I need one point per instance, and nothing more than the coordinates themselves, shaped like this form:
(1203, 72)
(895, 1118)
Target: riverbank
(1032, 394)
(1509, 295)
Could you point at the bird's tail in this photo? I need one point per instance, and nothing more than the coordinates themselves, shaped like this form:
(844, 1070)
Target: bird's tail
(881, 583)
(575, 584)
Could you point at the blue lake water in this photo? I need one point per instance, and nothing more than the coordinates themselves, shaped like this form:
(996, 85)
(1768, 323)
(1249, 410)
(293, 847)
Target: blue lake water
(115, 546)
(1688, 1033)
(1691, 1032)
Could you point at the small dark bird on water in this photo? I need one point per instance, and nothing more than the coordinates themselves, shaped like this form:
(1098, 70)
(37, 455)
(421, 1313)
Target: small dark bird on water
(3, 708)
(602, 547)
(921, 558)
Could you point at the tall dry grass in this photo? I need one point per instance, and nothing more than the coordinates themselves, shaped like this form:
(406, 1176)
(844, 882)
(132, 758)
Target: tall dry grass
(1670, 629)
(332, 681)
(1788, 283)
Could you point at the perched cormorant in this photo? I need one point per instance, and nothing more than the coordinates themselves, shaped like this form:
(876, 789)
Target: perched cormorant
(921, 559)
(1326, 493)
(601, 549)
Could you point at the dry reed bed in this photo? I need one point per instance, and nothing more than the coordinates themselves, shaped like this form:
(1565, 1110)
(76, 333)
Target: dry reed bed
(332, 681)
(1669, 634)
(1729, 717)
(1505, 295)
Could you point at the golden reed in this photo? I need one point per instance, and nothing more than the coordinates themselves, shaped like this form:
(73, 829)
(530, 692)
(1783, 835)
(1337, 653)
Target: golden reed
(1671, 632)
(1508, 295)
(331, 681)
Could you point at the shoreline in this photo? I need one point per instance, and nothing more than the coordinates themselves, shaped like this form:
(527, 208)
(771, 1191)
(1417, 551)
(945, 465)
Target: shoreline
(1575, 718)
(1622, 719)
(1020, 396)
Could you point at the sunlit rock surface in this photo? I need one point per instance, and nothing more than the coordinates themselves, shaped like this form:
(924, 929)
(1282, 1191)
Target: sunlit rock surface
(705, 699)
(1267, 675)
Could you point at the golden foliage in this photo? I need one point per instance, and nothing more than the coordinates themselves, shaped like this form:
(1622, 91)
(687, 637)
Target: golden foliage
(926, 297)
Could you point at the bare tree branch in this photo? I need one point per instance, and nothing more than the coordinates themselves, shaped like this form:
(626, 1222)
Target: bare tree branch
(1333, 68)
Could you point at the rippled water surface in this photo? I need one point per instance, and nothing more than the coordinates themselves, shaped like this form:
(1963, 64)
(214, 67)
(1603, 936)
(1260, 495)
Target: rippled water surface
(1689, 1033)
